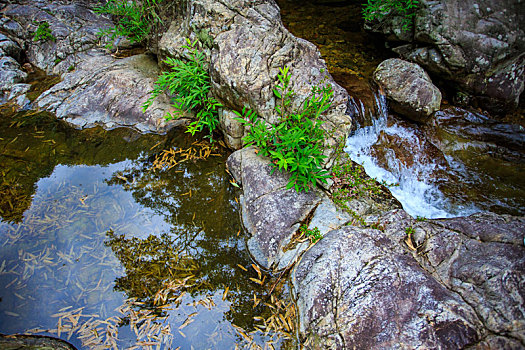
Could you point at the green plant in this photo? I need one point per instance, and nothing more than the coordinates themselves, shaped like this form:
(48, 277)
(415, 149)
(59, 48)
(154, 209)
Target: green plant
(378, 9)
(43, 32)
(189, 82)
(410, 231)
(351, 181)
(134, 19)
(295, 144)
(313, 234)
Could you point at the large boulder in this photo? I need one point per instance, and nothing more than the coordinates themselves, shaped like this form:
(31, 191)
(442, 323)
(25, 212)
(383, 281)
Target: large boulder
(409, 89)
(247, 44)
(479, 257)
(447, 283)
(478, 45)
(110, 92)
(73, 25)
(273, 214)
(355, 290)
(96, 88)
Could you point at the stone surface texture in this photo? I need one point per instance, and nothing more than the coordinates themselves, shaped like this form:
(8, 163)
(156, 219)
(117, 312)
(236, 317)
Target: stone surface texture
(96, 88)
(247, 44)
(409, 89)
(477, 45)
(11, 73)
(270, 213)
(110, 92)
(355, 290)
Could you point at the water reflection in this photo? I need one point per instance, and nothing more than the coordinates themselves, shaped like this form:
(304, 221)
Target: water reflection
(99, 249)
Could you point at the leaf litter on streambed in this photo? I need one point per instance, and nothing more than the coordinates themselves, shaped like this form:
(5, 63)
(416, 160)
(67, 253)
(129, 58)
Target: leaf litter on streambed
(44, 253)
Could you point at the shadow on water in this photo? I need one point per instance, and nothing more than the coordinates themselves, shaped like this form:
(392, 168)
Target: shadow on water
(102, 244)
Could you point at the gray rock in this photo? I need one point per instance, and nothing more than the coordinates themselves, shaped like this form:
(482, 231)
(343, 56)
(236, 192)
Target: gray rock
(480, 257)
(354, 290)
(73, 24)
(477, 45)
(247, 44)
(10, 73)
(409, 89)
(270, 213)
(109, 92)
(233, 130)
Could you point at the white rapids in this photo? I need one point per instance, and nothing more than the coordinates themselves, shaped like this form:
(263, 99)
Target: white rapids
(412, 185)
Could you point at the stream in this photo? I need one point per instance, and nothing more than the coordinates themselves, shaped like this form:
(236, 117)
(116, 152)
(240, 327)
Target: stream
(116, 239)
(460, 163)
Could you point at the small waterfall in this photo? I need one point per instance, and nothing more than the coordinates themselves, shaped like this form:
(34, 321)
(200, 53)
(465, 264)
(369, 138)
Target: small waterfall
(415, 184)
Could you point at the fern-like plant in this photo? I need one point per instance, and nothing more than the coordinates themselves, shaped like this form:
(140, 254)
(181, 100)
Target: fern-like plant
(134, 19)
(295, 144)
(188, 81)
(378, 9)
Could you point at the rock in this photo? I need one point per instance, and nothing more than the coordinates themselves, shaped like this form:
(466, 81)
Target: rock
(11, 75)
(109, 92)
(478, 46)
(409, 89)
(233, 130)
(355, 290)
(270, 213)
(33, 342)
(9, 48)
(477, 127)
(480, 257)
(73, 24)
(247, 44)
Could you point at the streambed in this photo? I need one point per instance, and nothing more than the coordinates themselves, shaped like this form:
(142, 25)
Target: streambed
(459, 164)
(102, 244)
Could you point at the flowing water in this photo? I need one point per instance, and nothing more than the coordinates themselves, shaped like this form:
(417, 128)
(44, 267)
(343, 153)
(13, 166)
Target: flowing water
(461, 163)
(111, 238)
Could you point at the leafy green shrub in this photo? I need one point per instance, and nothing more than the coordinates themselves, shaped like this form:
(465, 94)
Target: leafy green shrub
(135, 19)
(43, 32)
(189, 82)
(313, 234)
(295, 144)
(377, 9)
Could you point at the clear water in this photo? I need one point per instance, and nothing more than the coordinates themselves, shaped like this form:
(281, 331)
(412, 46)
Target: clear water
(91, 237)
(434, 185)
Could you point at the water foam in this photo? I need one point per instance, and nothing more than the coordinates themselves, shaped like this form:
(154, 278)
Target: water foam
(418, 195)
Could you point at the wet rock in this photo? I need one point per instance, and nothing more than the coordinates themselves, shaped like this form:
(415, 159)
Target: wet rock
(247, 44)
(409, 89)
(477, 127)
(109, 92)
(355, 290)
(270, 213)
(33, 342)
(477, 45)
(480, 257)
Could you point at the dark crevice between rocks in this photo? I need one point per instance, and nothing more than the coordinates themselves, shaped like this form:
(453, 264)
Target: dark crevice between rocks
(294, 239)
